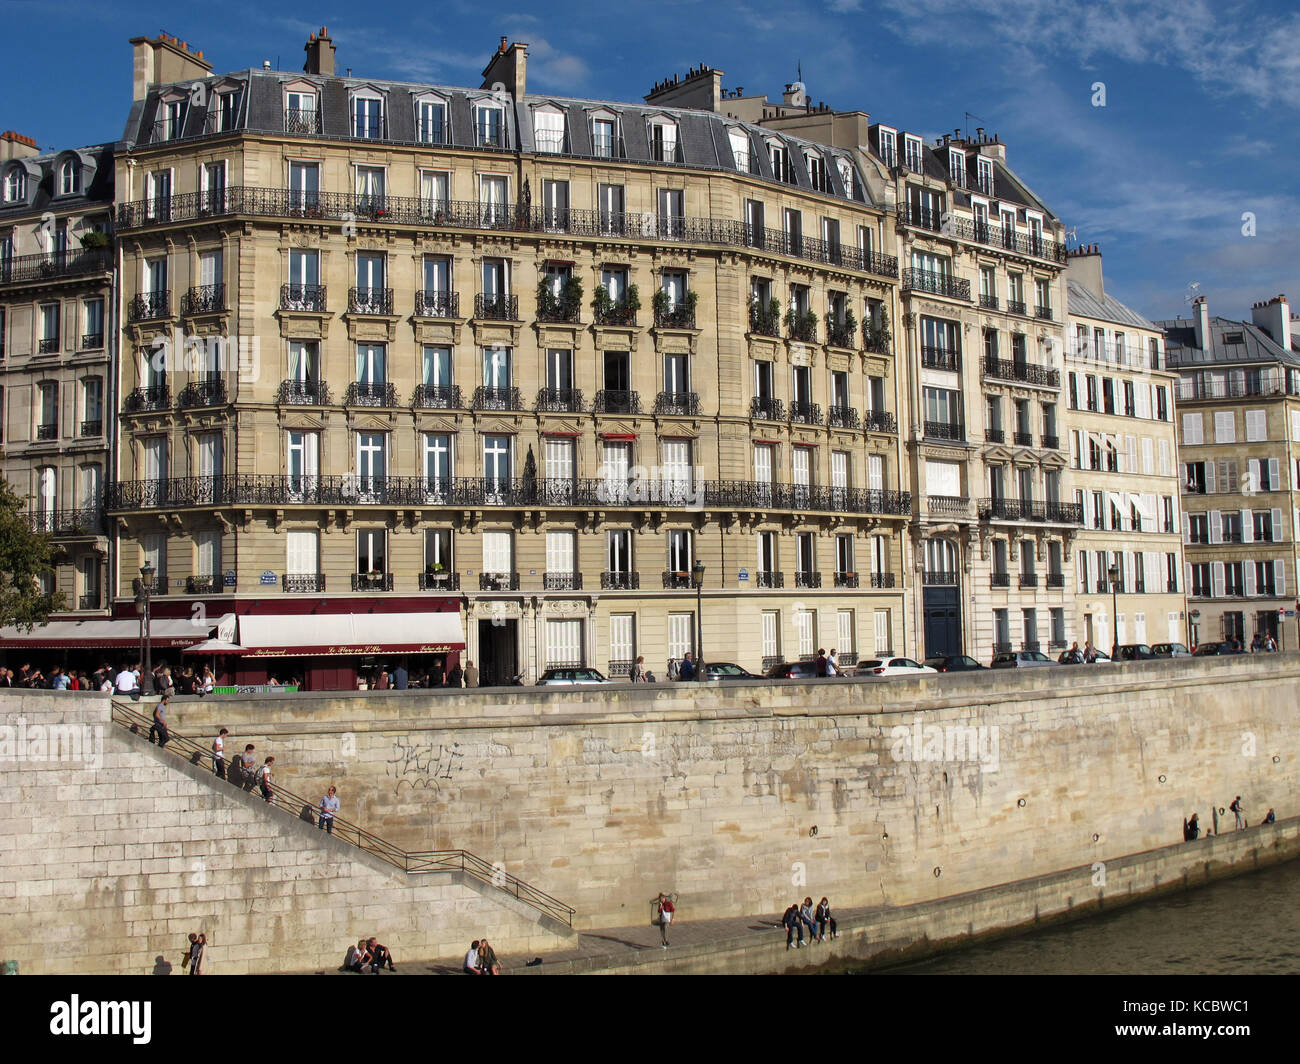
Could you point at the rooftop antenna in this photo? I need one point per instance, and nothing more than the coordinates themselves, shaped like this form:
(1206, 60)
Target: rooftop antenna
(1191, 292)
(799, 68)
(969, 116)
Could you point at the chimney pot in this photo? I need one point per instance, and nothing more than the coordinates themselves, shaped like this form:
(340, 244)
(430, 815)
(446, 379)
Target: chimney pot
(503, 45)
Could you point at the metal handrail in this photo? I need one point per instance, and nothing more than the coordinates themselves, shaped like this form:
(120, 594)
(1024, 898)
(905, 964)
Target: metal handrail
(420, 862)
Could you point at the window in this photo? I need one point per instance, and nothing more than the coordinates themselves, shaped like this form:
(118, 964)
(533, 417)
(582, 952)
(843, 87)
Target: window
(372, 550)
(912, 153)
(489, 126)
(609, 204)
(681, 635)
(548, 130)
(603, 134)
(208, 551)
(771, 637)
(437, 550)
(679, 552)
(957, 167)
(303, 463)
(370, 189)
(805, 630)
(372, 369)
(371, 464)
(672, 213)
(437, 464)
(739, 141)
(304, 186)
(497, 465)
(368, 117)
(817, 172)
(300, 113)
(494, 203)
(69, 177)
(49, 328)
(435, 193)
(780, 160)
(15, 184)
(561, 553)
(172, 123)
(431, 121)
(48, 425)
(226, 112)
(846, 631)
(663, 140)
(887, 145)
(1225, 428)
(558, 460)
(984, 175)
(677, 469)
(498, 553)
(618, 554)
(564, 644)
(555, 211)
(884, 639)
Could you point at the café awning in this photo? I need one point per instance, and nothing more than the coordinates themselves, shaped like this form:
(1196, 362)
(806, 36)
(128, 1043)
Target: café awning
(110, 635)
(334, 635)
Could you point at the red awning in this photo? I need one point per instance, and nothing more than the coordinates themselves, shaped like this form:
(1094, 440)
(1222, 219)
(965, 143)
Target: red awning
(618, 437)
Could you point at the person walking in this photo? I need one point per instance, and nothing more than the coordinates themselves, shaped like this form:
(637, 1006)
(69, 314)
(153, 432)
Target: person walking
(219, 754)
(471, 674)
(198, 952)
(159, 727)
(248, 767)
(820, 665)
(638, 669)
(329, 805)
(264, 778)
(832, 665)
(1236, 811)
(686, 670)
(666, 911)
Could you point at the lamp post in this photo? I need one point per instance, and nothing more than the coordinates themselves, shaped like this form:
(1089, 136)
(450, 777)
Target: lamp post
(697, 577)
(1113, 571)
(144, 588)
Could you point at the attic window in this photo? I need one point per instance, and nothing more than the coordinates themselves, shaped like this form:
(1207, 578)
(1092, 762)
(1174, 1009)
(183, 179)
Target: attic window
(663, 140)
(69, 177)
(1234, 338)
(15, 185)
(816, 171)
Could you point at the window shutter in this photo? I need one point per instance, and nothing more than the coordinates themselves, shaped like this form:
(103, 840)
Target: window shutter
(1120, 465)
(1249, 567)
(1187, 576)
(1186, 535)
(1216, 577)
(1279, 577)
(1216, 527)
(1276, 530)
(1209, 478)
(1131, 445)
(1274, 481)
(1247, 526)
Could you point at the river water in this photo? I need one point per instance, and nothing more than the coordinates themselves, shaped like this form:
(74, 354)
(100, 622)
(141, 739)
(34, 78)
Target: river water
(1249, 925)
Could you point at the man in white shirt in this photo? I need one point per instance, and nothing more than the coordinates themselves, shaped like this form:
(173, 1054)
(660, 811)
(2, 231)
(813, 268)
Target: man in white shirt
(127, 685)
(832, 665)
(219, 754)
(471, 960)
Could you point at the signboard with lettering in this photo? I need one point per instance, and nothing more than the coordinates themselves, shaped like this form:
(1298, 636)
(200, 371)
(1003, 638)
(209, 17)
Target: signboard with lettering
(229, 578)
(743, 574)
(268, 577)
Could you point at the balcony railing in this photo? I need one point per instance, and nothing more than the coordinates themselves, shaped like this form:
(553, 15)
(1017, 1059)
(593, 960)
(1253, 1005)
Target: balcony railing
(995, 436)
(440, 581)
(1043, 313)
(202, 393)
(303, 393)
(840, 334)
(84, 520)
(766, 409)
(498, 581)
(1007, 369)
(56, 264)
(559, 400)
(935, 284)
(845, 579)
(947, 505)
(883, 580)
(1028, 579)
(677, 404)
(562, 581)
(436, 397)
(1023, 439)
(432, 304)
(939, 578)
(681, 316)
(1052, 443)
(762, 322)
(92, 341)
(372, 581)
(617, 401)
(370, 301)
(560, 312)
(944, 430)
(487, 398)
(998, 236)
(803, 413)
(370, 393)
(204, 299)
(677, 581)
(618, 313)
(47, 432)
(154, 397)
(203, 585)
(997, 579)
(610, 581)
(1056, 580)
(302, 122)
(303, 583)
(48, 345)
(804, 328)
(939, 358)
(90, 600)
(880, 421)
(94, 427)
(807, 579)
(1029, 510)
(843, 417)
(150, 306)
(988, 302)
(769, 579)
(491, 307)
(1017, 306)
(309, 298)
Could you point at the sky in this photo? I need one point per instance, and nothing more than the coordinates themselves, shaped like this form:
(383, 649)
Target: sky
(1163, 131)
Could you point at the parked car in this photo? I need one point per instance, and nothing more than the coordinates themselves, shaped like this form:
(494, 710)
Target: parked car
(567, 675)
(891, 667)
(1170, 650)
(1136, 652)
(1021, 659)
(1100, 657)
(793, 670)
(1209, 650)
(953, 663)
(726, 670)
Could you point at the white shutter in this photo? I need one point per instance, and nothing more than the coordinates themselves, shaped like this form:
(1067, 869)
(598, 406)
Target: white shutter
(622, 637)
(1225, 429)
(301, 554)
(1247, 526)
(847, 642)
(1175, 629)
(1209, 478)
(1192, 429)
(763, 463)
(1275, 533)
(496, 553)
(1216, 579)
(771, 633)
(799, 458)
(1163, 459)
(1139, 627)
(876, 472)
(560, 552)
(1279, 577)
(1216, 527)
(564, 643)
(1249, 568)
(681, 634)
(1295, 523)
(1295, 426)
(884, 641)
(1131, 446)
(840, 469)
(1252, 473)
(1256, 426)
(1186, 535)
(1274, 479)
(1148, 456)
(558, 459)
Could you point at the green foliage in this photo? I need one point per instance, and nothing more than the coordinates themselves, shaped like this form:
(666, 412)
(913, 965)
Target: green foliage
(24, 555)
(94, 239)
(660, 301)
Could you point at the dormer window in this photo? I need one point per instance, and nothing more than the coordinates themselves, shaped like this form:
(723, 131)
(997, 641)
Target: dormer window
(431, 121)
(984, 175)
(368, 116)
(226, 113)
(663, 140)
(739, 149)
(957, 167)
(912, 153)
(604, 137)
(69, 177)
(846, 175)
(15, 185)
(489, 126)
(887, 140)
(816, 171)
(780, 160)
(301, 113)
(548, 129)
(171, 119)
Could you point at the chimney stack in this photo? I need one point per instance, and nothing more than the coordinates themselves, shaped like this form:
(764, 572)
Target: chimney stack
(16, 146)
(1274, 317)
(1201, 321)
(162, 61)
(1083, 264)
(320, 53)
(509, 67)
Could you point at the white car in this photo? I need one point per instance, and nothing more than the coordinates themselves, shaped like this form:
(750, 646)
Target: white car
(891, 667)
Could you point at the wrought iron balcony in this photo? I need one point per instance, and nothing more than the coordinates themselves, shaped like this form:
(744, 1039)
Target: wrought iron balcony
(935, 284)
(1016, 306)
(436, 397)
(769, 579)
(803, 328)
(845, 579)
(47, 432)
(681, 316)
(930, 218)
(560, 312)
(679, 404)
(1007, 369)
(1056, 580)
(880, 421)
(498, 581)
(939, 578)
(945, 430)
(761, 495)
(562, 581)
(1064, 513)
(203, 585)
(883, 580)
(939, 358)
(204, 299)
(1023, 439)
(302, 122)
(989, 302)
(999, 579)
(677, 581)
(1001, 646)
(486, 398)
(763, 322)
(617, 401)
(842, 417)
(370, 393)
(94, 427)
(1043, 313)
(303, 583)
(619, 669)
(1053, 443)
(1004, 510)
(55, 264)
(303, 393)
(372, 581)
(90, 600)
(440, 581)
(85, 520)
(47, 346)
(1028, 579)
(92, 341)
(559, 400)
(433, 304)
(615, 313)
(995, 436)
(154, 397)
(370, 301)
(875, 341)
(622, 581)
(150, 306)
(807, 579)
(308, 298)
(840, 334)
(766, 409)
(493, 307)
(211, 392)
(802, 413)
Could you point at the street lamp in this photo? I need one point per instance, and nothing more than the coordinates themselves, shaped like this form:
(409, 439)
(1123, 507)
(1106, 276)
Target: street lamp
(697, 578)
(1113, 571)
(143, 589)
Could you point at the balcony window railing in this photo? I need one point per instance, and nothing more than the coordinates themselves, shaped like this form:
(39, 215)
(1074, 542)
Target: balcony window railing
(498, 581)
(843, 417)
(91, 341)
(883, 580)
(430, 304)
(880, 421)
(83, 520)
(766, 409)
(303, 583)
(989, 302)
(1044, 313)
(935, 284)
(677, 581)
(303, 393)
(210, 392)
(939, 358)
(846, 579)
(617, 401)
(154, 397)
(559, 400)
(92, 428)
(1007, 369)
(440, 580)
(204, 299)
(995, 436)
(1024, 439)
(370, 300)
(1028, 579)
(309, 298)
(486, 398)
(370, 393)
(945, 430)
(769, 579)
(1052, 443)
(804, 413)
(682, 316)
(620, 581)
(436, 397)
(678, 404)
(562, 581)
(948, 505)
(807, 579)
(840, 334)
(150, 306)
(938, 578)
(1016, 306)
(47, 346)
(372, 581)
(47, 265)
(47, 432)
(302, 122)
(202, 585)
(494, 307)
(999, 579)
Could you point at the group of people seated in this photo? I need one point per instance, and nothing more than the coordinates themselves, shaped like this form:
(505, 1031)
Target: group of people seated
(368, 956)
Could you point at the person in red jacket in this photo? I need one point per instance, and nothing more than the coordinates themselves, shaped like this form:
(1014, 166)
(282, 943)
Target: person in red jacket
(666, 913)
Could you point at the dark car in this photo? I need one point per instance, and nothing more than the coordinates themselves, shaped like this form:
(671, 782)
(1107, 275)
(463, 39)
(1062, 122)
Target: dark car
(793, 670)
(1170, 650)
(726, 670)
(1067, 657)
(954, 663)
(571, 674)
(1021, 659)
(1210, 650)
(1136, 652)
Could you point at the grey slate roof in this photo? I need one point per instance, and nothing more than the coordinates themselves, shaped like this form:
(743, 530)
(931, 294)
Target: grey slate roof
(1086, 305)
(1256, 347)
(96, 163)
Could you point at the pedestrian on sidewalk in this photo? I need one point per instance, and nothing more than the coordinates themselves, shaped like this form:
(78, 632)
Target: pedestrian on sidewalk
(792, 924)
(159, 727)
(666, 911)
(638, 670)
(219, 754)
(264, 778)
(329, 805)
(455, 676)
(1236, 811)
(247, 767)
(825, 921)
(487, 958)
(198, 952)
(471, 674)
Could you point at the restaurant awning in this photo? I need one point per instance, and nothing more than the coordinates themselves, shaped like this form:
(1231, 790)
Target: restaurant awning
(215, 646)
(90, 634)
(332, 635)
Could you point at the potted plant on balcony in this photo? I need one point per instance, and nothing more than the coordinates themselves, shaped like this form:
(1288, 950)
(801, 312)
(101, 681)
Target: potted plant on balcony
(94, 240)
(571, 299)
(878, 331)
(660, 303)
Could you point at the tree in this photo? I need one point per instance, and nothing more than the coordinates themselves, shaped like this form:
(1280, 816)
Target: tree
(24, 556)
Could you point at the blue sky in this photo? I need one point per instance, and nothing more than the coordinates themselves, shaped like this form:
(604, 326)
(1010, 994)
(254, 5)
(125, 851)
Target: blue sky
(1199, 125)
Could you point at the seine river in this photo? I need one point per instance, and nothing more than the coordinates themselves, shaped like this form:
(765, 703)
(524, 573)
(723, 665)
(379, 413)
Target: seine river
(1244, 926)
